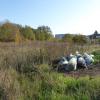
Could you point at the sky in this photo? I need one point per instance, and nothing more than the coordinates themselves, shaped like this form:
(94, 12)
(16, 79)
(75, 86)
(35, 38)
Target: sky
(62, 16)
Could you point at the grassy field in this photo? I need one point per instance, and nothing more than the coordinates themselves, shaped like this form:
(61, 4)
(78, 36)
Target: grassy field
(26, 75)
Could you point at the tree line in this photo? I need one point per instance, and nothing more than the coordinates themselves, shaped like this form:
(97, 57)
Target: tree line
(15, 32)
(11, 32)
(78, 39)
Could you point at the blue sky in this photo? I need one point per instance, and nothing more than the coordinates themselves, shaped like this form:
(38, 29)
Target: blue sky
(62, 16)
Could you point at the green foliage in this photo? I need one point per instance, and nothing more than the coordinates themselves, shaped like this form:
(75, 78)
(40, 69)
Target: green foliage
(53, 86)
(80, 39)
(75, 39)
(96, 56)
(15, 32)
(28, 33)
(43, 33)
(67, 38)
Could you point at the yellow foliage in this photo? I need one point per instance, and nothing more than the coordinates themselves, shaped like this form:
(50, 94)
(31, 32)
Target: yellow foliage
(18, 38)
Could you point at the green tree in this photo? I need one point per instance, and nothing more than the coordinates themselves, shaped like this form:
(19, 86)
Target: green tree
(80, 39)
(28, 33)
(44, 33)
(15, 32)
(67, 38)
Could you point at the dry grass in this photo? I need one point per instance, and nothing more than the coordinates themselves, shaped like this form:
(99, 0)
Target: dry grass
(20, 81)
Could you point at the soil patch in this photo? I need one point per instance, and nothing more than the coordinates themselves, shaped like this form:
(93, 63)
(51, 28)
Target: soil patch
(94, 70)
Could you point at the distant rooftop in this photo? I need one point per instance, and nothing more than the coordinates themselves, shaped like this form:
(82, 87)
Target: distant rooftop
(60, 36)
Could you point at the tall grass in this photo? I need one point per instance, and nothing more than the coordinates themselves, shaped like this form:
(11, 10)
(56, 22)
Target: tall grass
(15, 55)
(26, 75)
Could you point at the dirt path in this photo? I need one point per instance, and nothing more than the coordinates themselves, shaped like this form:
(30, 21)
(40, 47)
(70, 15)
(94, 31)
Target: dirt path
(94, 70)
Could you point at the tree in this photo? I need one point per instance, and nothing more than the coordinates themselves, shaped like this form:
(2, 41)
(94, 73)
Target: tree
(44, 33)
(67, 38)
(80, 39)
(15, 32)
(28, 33)
(96, 32)
(8, 32)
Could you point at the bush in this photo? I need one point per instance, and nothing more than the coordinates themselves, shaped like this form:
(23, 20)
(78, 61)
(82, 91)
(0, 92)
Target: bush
(96, 56)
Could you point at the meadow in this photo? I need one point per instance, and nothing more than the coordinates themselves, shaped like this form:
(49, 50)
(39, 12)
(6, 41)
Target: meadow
(26, 73)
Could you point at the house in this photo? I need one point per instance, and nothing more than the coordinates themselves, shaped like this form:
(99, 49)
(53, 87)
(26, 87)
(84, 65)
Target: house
(94, 38)
(95, 35)
(59, 36)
